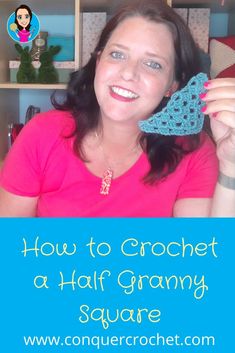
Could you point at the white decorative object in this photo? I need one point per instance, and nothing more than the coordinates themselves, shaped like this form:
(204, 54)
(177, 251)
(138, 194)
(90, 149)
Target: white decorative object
(222, 57)
(183, 13)
(199, 22)
(15, 64)
(92, 25)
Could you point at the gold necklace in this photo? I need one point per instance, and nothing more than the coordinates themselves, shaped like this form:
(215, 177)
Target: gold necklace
(109, 172)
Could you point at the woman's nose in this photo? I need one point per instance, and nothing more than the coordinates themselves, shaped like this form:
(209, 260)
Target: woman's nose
(130, 70)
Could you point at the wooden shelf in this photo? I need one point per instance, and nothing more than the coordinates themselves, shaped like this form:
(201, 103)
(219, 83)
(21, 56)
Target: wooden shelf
(10, 85)
(214, 5)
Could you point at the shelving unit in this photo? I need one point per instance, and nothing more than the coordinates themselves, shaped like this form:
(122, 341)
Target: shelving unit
(10, 92)
(9, 85)
(40, 7)
(215, 7)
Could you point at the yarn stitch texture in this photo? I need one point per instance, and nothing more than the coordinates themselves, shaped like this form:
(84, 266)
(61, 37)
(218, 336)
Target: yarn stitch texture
(182, 115)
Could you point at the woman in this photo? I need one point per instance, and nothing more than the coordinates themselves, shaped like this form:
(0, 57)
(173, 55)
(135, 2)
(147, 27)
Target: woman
(23, 17)
(88, 158)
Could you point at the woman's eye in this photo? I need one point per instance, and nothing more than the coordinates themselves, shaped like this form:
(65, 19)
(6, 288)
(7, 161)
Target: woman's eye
(117, 55)
(152, 64)
(19, 17)
(26, 16)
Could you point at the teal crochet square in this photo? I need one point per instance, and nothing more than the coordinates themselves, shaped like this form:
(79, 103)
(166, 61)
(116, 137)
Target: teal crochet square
(182, 115)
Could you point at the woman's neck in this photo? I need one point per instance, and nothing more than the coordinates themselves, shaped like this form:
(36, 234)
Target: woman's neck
(112, 147)
(118, 136)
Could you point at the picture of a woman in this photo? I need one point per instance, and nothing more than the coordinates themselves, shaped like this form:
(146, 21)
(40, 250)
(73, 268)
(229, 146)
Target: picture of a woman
(23, 17)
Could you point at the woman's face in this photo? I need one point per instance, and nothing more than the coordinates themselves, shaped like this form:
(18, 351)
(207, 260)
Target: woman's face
(135, 70)
(23, 17)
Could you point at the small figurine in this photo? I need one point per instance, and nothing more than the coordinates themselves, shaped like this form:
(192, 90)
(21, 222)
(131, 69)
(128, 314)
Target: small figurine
(47, 72)
(26, 72)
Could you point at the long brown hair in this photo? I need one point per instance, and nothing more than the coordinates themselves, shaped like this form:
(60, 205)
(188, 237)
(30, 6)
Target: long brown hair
(164, 152)
(30, 16)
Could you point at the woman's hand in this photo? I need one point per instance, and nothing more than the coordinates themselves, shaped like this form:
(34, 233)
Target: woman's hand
(220, 106)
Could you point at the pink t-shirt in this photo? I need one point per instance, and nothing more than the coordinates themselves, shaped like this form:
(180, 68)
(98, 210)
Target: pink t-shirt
(24, 35)
(42, 163)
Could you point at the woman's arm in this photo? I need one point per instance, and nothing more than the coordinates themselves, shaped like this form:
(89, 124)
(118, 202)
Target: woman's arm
(192, 207)
(220, 106)
(17, 206)
(223, 204)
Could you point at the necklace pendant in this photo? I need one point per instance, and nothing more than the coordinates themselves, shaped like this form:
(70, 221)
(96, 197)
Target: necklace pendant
(106, 182)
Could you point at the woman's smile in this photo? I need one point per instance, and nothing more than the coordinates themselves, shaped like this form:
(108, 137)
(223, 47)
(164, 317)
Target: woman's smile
(123, 94)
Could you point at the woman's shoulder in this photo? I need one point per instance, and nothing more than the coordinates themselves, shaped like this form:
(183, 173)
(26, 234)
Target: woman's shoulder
(52, 122)
(54, 117)
(46, 129)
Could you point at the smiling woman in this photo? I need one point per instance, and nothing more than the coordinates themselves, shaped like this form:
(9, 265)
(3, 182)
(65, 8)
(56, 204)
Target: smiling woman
(88, 158)
(135, 71)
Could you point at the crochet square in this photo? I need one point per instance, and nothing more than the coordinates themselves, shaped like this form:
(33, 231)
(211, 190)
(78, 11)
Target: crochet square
(182, 115)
